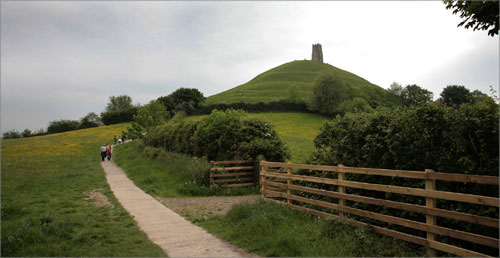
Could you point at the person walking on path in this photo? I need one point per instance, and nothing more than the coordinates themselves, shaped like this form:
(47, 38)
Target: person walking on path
(108, 152)
(114, 139)
(103, 151)
(120, 140)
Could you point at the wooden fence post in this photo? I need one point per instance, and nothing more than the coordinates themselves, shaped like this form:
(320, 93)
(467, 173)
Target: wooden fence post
(341, 177)
(262, 178)
(430, 184)
(212, 166)
(288, 183)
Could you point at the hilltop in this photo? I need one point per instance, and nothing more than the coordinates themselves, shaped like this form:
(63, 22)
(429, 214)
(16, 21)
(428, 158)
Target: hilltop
(278, 83)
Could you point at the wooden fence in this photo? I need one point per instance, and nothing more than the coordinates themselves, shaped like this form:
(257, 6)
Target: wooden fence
(277, 184)
(234, 173)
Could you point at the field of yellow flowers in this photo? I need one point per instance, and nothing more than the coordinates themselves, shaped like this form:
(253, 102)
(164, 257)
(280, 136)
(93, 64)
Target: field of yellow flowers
(56, 202)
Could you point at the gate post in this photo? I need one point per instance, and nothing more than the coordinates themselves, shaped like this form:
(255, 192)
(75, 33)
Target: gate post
(430, 184)
(341, 177)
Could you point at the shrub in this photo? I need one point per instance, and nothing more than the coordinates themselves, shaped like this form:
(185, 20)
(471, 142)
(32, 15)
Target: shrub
(431, 136)
(63, 126)
(423, 137)
(223, 135)
(226, 135)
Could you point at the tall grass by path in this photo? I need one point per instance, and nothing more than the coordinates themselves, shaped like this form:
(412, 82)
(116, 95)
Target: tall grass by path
(271, 230)
(296, 130)
(163, 174)
(54, 199)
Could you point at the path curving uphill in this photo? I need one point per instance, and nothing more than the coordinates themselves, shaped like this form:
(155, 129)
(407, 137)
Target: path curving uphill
(174, 234)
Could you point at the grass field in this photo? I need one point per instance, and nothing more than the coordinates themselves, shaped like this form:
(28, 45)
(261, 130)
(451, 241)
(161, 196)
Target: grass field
(276, 84)
(271, 230)
(56, 202)
(297, 130)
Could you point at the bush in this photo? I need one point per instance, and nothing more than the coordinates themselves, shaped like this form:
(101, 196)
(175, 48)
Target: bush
(430, 136)
(223, 135)
(63, 126)
(226, 135)
(116, 117)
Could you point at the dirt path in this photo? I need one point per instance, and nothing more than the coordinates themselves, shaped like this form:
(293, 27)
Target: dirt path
(199, 206)
(173, 233)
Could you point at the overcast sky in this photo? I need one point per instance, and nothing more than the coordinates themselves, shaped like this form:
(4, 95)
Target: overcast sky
(62, 60)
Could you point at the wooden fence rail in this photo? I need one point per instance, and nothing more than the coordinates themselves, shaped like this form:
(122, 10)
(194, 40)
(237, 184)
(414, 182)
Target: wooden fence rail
(278, 185)
(242, 174)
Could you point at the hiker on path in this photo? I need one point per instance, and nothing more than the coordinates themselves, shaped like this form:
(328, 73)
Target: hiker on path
(114, 139)
(108, 152)
(103, 151)
(124, 138)
(120, 140)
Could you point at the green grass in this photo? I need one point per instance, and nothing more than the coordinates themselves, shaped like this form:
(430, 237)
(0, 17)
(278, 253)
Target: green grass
(169, 174)
(46, 183)
(297, 130)
(275, 84)
(272, 230)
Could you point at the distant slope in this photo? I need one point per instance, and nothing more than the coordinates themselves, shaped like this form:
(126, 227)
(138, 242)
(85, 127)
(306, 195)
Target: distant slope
(275, 84)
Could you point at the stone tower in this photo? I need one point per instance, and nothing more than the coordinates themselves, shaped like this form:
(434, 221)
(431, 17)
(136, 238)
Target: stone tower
(317, 54)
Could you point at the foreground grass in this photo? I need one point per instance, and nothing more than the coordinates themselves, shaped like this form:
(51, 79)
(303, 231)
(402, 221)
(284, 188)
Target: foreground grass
(54, 199)
(169, 174)
(269, 229)
(296, 130)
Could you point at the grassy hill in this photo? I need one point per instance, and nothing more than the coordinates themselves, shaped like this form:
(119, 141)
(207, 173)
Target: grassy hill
(277, 83)
(56, 201)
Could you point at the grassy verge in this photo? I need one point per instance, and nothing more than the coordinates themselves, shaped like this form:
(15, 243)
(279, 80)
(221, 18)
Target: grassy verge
(56, 202)
(272, 230)
(297, 130)
(163, 174)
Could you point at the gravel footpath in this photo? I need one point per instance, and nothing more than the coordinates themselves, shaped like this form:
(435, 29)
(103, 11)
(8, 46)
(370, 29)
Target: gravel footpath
(173, 233)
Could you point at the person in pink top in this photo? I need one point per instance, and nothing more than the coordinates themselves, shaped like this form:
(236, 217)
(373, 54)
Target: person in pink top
(108, 152)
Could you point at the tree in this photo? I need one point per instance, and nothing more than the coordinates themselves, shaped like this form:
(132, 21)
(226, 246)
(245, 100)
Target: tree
(328, 92)
(13, 134)
(478, 15)
(26, 133)
(183, 99)
(86, 123)
(93, 117)
(455, 95)
(119, 103)
(415, 95)
(148, 116)
(62, 126)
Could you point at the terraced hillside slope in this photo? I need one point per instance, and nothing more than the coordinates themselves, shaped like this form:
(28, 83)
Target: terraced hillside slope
(299, 76)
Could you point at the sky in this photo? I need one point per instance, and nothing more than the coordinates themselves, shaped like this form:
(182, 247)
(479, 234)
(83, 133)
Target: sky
(62, 60)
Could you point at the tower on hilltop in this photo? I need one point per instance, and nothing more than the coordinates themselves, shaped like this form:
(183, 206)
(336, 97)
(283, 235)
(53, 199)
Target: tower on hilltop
(317, 54)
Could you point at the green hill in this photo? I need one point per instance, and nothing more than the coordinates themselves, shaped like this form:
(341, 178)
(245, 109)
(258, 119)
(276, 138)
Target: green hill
(278, 83)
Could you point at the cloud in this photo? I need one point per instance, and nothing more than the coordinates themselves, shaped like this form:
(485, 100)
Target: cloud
(64, 59)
